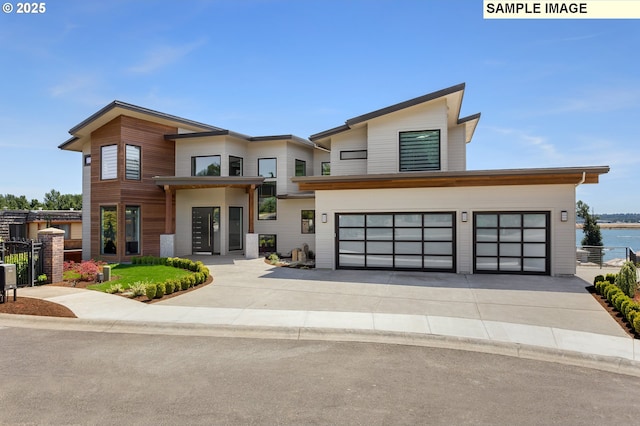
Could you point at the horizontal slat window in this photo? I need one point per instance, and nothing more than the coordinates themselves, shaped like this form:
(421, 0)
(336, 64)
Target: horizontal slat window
(420, 150)
(132, 162)
(109, 162)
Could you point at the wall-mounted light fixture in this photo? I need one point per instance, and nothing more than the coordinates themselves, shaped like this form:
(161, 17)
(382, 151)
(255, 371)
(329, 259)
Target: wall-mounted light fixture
(324, 218)
(564, 215)
(464, 216)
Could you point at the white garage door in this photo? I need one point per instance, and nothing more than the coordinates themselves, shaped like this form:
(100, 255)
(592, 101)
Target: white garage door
(512, 242)
(418, 241)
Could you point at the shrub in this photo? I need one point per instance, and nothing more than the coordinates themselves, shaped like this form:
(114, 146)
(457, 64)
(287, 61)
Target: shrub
(160, 290)
(150, 291)
(169, 286)
(636, 324)
(273, 258)
(627, 279)
(138, 288)
(598, 278)
(611, 278)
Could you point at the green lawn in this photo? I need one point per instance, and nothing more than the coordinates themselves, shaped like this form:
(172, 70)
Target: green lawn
(125, 275)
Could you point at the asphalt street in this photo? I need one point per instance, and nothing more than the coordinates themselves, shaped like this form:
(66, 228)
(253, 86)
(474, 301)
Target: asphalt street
(71, 377)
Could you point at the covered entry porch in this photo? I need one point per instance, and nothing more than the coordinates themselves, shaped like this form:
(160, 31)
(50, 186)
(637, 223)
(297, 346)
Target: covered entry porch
(208, 215)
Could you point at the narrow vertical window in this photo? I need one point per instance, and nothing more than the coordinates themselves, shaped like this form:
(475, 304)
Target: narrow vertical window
(308, 221)
(108, 229)
(301, 168)
(326, 168)
(132, 162)
(132, 229)
(109, 162)
(235, 166)
(267, 202)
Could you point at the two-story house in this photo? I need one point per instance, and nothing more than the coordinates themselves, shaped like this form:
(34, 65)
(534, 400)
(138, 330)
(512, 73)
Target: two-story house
(386, 190)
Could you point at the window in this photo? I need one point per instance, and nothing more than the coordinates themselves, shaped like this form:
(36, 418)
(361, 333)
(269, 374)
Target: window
(266, 243)
(18, 231)
(420, 150)
(65, 227)
(354, 155)
(326, 168)
(132, 229)
(301, 168)
(308, 221)
(132, 162)
(205, 166)
(267, 167)
(109, 229)
(235, 166)
(87, 160)
(267, 203)
(109, 162)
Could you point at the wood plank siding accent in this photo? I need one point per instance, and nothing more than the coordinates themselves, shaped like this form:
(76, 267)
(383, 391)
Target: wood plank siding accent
(444, 179)
(157, 158)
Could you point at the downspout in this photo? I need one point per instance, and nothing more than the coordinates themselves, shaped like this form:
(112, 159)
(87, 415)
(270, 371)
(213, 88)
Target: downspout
(584, 177)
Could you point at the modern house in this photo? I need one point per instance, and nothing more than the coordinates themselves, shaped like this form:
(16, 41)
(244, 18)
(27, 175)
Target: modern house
(386, 190)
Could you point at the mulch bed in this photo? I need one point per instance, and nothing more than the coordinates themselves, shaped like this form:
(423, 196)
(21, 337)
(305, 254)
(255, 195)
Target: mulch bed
(617, 316)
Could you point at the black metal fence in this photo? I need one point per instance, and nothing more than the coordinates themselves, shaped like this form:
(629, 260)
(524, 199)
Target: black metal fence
(26, 256)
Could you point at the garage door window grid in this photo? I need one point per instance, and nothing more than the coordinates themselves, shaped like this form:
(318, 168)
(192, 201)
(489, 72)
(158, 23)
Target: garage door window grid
(418, 241)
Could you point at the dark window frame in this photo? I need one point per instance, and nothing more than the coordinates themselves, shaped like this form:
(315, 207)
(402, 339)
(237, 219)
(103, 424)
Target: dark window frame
(275, 159)
(127, 170)
(132, 246)
(439, 143)
(241, 160)
(261, 248)
(263, 198)
(114, 241)
(323, 168)
(362, 152)
(303, 165)
(193, 164)
(311, 229)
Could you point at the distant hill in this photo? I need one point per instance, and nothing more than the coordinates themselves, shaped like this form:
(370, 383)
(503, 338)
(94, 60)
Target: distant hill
(619, 217)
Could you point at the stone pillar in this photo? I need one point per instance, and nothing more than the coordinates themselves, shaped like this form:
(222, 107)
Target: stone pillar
(251, 249)
(52, 253)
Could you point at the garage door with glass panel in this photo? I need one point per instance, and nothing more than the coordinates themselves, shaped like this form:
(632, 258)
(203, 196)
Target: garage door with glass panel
(512, 242)
(418, 241)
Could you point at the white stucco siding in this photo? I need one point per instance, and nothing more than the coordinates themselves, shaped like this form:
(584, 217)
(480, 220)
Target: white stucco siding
(383, 135)
(319, 156)
(352, 140)
(457, 150)
(86, 204)
(224, 198)
(297, 152)
(288, 226)
(552, 198)
(224, 146)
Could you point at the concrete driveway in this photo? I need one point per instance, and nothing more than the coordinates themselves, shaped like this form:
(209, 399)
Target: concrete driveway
(531, 300)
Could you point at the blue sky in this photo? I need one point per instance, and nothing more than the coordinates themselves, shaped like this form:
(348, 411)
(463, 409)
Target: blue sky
(551, 92)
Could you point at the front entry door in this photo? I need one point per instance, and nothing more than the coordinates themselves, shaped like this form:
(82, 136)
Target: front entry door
(205, 230)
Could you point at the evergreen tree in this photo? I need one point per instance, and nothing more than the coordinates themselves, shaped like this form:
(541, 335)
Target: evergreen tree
(591, 229)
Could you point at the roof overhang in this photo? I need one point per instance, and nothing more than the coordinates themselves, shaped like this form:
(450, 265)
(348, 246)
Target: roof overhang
(453, 96)
(472, 178)
(117, 108)
(201, 182)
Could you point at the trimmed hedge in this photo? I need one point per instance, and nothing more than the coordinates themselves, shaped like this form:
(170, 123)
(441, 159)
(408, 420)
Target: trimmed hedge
(628, 308)
(199, 274)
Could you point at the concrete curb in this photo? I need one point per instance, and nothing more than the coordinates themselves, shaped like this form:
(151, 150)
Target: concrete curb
(517, 350)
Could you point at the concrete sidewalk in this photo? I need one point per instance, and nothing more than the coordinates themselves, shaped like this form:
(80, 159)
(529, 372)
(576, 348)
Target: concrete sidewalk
(492, 313)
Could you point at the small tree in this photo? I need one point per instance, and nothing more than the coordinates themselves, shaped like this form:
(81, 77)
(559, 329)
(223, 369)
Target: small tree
(627, 279)
(591, 229)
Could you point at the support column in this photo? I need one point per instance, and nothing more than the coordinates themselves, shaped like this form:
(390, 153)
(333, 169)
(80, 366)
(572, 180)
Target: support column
(52, 240)
(168, 210)
(252, 207)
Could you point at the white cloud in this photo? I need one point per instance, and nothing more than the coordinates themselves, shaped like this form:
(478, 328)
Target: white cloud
(161, 56)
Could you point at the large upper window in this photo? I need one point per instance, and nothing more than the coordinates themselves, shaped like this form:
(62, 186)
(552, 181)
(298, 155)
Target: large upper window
(109, 229)
(420, 150)
(205, 166)
(109, 162)
(267, 167)
(301, 168)
(235, 166)
(132, 162)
